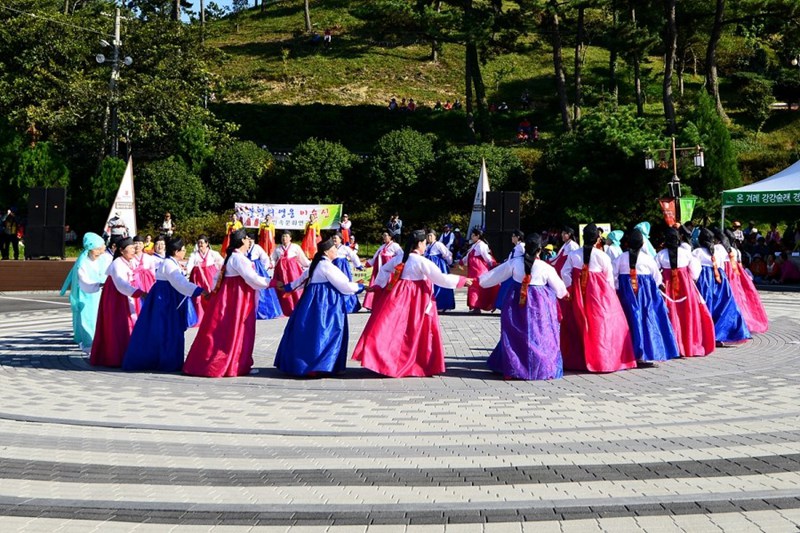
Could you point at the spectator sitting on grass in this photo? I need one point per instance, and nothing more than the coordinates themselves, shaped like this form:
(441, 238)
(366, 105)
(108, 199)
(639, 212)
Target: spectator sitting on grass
(412, 106)
(393, 104)
(438, 106)
(448, 106)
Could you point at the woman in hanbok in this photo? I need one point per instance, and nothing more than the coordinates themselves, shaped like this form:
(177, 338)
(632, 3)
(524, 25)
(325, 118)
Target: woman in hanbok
(226, 336)
(203, 266)
(316, 335)
(594, 333)
(159, 252)
(84, 282)
(479, 260)
(613, 248)
(383, 255)
(311, 237)
(346, 260)
(518, 240)
(117, 313)
(441, 256)
(344, 228)
(144, 269)
(233, 225)
(638, 279)
(529, 327)
(266, 235)
(402, 337)
(268, 306)
(744, 291)
(729, 324)
(690, 318)
(569, 246)
(644, 229)
(157, 340)
(289, 261)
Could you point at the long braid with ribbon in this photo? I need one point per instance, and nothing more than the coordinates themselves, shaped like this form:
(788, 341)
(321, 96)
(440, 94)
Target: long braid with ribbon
(533, 245)
(706, 240)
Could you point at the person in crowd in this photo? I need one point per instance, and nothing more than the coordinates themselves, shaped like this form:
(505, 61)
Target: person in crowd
(290, 261)
(479, 260)
(447, 105)
(232, 225)
(437, 252)
(773, 268)
(403, 106)
(85, 282)
(70, 237)
(383, 255)
(344, 228)
(149, 245)
(744, 292)
(569, 245)
(644, 229)
(266, 235)
(353, 244)
(738, 234)
(402, 337)
(789, 271)
(168, 225)
(346, 260)
(327, 37)
(226, 336)
(116, 226)
(518, 250)
(10, 234)
(395, 227)
(773, 235)
(159, 251)
(690, 318)
(268, 306)
(729, 324)
(438, 106)
(316, 335)
(594, 333)
(157, 340)
(117, 312)
(412, 105)
(638, 278)
(613, 242)
(393, 104)
(457, 105)
(529, 324)
(458, 244)
(144, 269)
(311, 237)
(447, 238)
(548, 253)
(202, 267)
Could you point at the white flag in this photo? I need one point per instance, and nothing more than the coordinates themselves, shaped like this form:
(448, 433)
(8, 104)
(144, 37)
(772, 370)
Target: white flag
(125, 202)
(478, 217)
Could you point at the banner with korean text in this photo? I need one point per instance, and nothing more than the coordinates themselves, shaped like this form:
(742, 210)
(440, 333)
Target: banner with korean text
(760, 198)
(289, 216)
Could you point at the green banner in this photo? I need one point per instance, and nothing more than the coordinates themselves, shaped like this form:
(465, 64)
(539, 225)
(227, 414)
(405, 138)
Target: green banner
(763, 198)
(687, 204)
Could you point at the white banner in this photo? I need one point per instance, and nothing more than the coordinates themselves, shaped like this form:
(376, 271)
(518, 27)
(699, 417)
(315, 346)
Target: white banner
(478, 217)
(289, 216)
(125, 202)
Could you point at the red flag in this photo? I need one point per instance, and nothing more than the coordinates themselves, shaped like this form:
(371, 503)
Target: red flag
(668, 208)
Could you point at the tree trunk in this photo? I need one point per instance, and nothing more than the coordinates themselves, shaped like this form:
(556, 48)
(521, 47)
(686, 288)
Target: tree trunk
(434, 42)
(480, 93)
(66, 7)
(712, 80)
(579, 39)
(467, 82)
(680, 65)
(176, 10)
(558, 66)
(307, 10)
(637, 72)
(612, 59)
(670, 45)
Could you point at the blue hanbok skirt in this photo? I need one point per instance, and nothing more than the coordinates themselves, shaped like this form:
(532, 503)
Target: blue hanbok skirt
(729, 325)
(157, 341)
(445, 298)
(351, 303)
(316, 335)
(648, 318)
(268, 305)
(529, 346)
(502, 292)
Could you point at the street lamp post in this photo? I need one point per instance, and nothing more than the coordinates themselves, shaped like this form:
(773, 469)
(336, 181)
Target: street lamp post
(670, 155)
(116, 63)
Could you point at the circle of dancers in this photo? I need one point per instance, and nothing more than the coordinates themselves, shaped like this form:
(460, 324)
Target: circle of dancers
(591, 307)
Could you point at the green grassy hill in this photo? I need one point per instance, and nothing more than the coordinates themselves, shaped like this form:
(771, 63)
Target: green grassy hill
(282, 88)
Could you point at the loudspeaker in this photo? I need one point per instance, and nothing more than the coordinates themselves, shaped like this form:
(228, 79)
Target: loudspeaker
(494, 211)
(44, 241)
(500, 244)
(56, 208)
(511, 210)
(37, 206)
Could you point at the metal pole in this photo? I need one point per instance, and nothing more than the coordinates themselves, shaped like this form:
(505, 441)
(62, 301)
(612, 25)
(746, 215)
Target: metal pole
(112, 85)
(722, 222)
(675, 183)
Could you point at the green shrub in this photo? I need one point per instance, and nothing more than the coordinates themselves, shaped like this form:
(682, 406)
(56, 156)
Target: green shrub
(236, 171)
(167, 185)
(402, 159)
(317, 171)
(103, 188)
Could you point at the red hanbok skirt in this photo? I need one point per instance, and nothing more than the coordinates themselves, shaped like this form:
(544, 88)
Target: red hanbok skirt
(114, 326)
(203, 276)
(287, 269)
(594, 332)
(746, 296)
(309, 243)
(226, 336)
(691, 320)
(402, 336)
(477, 296)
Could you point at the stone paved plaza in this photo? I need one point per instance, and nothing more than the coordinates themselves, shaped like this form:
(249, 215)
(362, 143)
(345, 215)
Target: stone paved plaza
(705, 444)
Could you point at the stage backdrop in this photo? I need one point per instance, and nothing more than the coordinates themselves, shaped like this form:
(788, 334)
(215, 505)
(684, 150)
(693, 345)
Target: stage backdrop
(289, 216)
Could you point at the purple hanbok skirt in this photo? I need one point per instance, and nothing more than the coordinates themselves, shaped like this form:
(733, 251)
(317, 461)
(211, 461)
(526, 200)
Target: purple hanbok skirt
(529, 346)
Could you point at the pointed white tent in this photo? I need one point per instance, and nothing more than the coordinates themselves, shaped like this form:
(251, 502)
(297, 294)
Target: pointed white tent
(782, 188)
(125, 201)
(478, 217)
